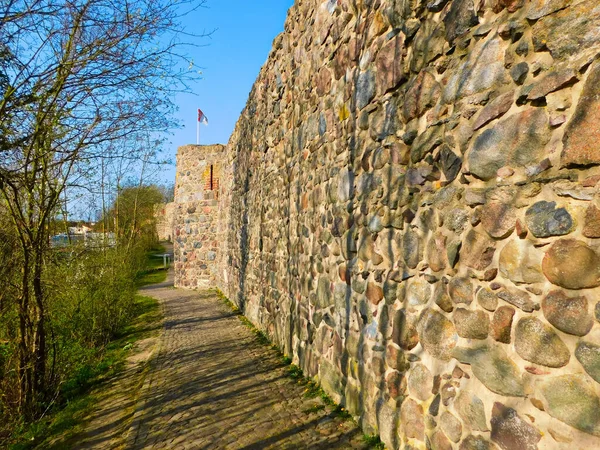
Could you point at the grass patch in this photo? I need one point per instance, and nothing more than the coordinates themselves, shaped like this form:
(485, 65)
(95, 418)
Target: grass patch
(373, 441)
(66, 419)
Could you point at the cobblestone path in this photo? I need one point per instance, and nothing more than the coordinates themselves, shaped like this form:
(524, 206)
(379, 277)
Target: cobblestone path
(213, 386)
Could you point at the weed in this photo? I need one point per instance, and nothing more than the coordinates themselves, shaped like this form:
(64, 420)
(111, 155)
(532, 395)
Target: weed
(373, 441)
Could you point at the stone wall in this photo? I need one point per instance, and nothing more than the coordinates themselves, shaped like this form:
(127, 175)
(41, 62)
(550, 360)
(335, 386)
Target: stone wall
(409, 208)
(196, 211)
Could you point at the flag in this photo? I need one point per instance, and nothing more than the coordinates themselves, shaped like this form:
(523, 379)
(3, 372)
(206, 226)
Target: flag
(202, 117)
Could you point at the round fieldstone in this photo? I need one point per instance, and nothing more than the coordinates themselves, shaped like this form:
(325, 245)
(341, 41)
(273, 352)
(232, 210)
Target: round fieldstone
(418, 292)
(451, 426)
(510, 431)
(471, 324)
(588, 355)
(544, 219)
(572, 399)
(439, 441)
(487, 299)
(498, 219)
(437, 334)
(411, 419)
(477, 250)
(420, 382)
(571, 264)
(461, 290)
(492, 366)
(568, 314)
(521, 262)
(374, 293)
(404, 334)
(538, 343)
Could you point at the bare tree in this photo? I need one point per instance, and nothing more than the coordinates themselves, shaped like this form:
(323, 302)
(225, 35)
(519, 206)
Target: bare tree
(75, 75)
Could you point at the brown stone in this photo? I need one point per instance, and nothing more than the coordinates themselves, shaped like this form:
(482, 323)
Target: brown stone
(571, 264)
(436, 254)
(374, 293)
(552, 82)
(451, 426)
(439, 441)
(580, 142)
(394, 384)
(411, 420)
(389, 64)
(521, 262)
(394, 358)
(477, 250)
(591, 225)
(502, 324)
(323, 81)
(511, 432)
(471, 324)
(568, 314)
(461, 290)
(420, 382)
(498, 219)
(496, 108)
(422, 93)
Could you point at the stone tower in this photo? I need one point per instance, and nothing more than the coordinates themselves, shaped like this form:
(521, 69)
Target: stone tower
(195, 243)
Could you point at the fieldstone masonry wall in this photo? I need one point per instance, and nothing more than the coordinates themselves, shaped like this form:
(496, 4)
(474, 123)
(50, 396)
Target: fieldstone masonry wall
(165, 221)
(409, 207)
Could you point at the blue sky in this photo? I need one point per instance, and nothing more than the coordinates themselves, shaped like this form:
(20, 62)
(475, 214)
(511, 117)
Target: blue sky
(230, 63)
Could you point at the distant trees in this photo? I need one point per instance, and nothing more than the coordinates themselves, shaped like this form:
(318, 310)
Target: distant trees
(76, 76)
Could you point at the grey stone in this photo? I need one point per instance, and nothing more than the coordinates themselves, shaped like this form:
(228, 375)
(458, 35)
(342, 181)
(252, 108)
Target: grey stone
(461, 290)
(538, 343)
(477, 250)
(437, 334)
(517, 141)
(471, 324)
(471, 410)
(418, 292)
(588, 354)
(572, 399)
(519, 298)
(472, 442)
(460, 18)
(451, 426)
(519, 72)
(365, 89)
(487, 299)
(482, 70)
(492, 366)
(324, 297)
(544, 219)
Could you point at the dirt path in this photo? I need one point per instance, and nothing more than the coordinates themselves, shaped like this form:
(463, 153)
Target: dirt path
(213, 386)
